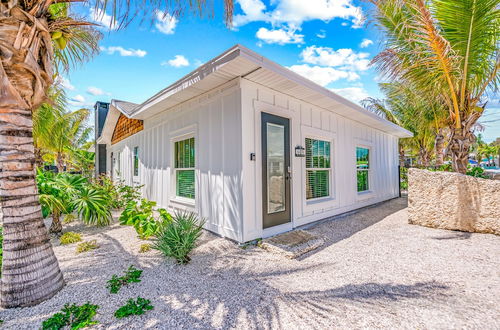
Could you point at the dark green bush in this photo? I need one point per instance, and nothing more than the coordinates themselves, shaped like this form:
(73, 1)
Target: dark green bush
(74, 316)
(134, 307)
(477, 172)
(132, 275)
(176, 238)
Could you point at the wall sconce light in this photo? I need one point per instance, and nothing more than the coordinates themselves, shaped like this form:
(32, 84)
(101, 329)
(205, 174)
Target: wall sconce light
(300, 151)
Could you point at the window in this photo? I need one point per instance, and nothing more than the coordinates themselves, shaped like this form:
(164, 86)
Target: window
(318, 167)
(363, 168)
(185, 168)
(136, 161)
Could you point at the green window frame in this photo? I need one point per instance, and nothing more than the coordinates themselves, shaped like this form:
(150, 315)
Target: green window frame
(318, 168)
(184, 164)
(136, 161)
(363, 168)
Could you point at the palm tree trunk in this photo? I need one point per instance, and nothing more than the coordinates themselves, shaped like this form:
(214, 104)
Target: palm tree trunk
(56, 225)
(460, 142)
(401, 156)
(59, 163)
(439, 146)
(30, 271)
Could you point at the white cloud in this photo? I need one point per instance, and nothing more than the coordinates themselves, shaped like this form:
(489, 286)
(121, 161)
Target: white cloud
(79, 101)
(124, 52)
(295, 12)
(321, 34)
(354, 94)
(178, 61)
(64, 83)
(365, 43)
(166, 23)
(323, 75)
(96, 91)
(279, 36)
(99, 16)
(344, 58)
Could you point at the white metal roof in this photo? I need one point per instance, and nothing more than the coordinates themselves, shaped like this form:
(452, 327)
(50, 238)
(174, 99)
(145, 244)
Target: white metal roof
(239, 61)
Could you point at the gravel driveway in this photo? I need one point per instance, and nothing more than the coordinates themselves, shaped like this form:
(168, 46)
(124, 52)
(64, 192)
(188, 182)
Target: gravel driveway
(375, 271)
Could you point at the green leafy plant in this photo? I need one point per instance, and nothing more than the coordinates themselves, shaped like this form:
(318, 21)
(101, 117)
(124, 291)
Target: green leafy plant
(176, 238)
(145, 248)
(134, 307)
(93, 205)
(477, 172)
(121, 194)
(74, 316)
(87, 246)
(140, 216)
(132, 275)
(69, 238)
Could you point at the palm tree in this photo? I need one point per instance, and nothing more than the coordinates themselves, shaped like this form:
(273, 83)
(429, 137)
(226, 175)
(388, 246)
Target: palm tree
(34, 36)
(446, 49)
(405, 108)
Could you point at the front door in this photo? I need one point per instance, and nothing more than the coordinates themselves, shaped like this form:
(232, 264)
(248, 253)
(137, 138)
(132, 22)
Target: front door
(275, 170)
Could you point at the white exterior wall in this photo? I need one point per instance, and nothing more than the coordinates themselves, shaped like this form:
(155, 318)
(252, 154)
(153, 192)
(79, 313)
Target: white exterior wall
(215, 120)
(309, 121)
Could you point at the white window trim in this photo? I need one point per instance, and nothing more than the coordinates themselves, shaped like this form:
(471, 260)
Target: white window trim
(327, 202)
(361, 195)
(179, 135)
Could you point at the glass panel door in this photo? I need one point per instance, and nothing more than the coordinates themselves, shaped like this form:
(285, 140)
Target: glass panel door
(276, 203)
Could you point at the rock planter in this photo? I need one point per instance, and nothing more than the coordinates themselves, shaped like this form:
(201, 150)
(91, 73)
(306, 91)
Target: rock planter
(453, 201)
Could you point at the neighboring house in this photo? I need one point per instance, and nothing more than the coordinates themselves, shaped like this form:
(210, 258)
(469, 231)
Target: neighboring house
(252, 147)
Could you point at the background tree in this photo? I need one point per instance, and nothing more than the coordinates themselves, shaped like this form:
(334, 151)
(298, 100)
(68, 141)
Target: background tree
(29, 30)
(444, 48)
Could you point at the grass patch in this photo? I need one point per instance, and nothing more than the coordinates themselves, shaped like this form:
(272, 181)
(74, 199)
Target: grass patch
(134, 307)
(132, 275)
(70, 238)
(145, 248)
(74, 316)
(87, 246)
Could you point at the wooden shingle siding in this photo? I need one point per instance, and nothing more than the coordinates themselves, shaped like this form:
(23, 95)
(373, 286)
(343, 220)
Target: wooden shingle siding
(126, 127)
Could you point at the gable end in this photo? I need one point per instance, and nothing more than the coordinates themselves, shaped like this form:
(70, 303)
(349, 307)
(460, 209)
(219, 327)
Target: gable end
(126, 127)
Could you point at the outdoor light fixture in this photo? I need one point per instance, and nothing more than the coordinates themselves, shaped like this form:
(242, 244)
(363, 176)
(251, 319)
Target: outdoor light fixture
(300, 151)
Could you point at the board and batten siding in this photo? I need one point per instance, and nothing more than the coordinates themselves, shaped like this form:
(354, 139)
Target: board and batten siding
(307, 120)
(215, 120)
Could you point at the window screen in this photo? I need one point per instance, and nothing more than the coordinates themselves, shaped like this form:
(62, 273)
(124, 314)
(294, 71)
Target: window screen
(136, 161)
(318, 168)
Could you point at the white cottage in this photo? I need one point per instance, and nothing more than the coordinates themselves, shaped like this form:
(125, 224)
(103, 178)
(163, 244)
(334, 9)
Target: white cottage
(251, 146)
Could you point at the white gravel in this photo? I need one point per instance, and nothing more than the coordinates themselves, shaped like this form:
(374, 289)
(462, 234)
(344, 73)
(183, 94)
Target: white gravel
(374, 271)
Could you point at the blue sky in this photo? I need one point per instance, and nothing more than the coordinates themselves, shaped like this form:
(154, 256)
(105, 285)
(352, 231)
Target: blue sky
(325, 40)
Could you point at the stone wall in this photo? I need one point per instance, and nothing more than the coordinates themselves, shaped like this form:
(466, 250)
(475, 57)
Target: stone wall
(453, 201)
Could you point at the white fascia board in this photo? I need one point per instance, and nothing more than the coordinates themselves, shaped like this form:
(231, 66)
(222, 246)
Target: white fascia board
(287, 73)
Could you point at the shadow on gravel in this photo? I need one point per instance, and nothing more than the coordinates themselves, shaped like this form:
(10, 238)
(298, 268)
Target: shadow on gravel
(230, 297)
(341, 227)
(454, 235)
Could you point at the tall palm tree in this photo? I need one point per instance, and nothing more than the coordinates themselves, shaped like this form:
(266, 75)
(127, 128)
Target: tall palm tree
(405, 108)
(447, 49)
(28, 32)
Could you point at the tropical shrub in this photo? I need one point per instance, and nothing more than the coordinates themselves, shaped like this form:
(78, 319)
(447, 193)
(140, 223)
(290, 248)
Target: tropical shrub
(93, 206)
(64, 193)
(144, 248)
(132, 275)
(74, 316)
(134, 307)
(140, 216)
(69, 238)
(121, 194)
(176, 238)
(477, 172)
(87, 246)
(403, 178)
